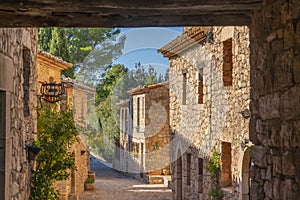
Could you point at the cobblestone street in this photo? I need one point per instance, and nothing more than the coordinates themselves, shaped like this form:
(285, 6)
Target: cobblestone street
(111, 185)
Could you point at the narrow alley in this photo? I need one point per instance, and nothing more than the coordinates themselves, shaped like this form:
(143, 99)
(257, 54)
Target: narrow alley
(112, 185)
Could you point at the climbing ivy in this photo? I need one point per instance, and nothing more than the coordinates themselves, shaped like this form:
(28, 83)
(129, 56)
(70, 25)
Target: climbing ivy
(213, 166)
(56, 133)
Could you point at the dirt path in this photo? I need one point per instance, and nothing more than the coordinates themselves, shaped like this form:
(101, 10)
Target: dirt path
(111, 185)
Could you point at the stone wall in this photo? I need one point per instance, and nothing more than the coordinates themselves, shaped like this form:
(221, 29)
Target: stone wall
(18, 50)
(201, 127)
(78, 99)
(275, 97)
(157, 132)
(74, 185)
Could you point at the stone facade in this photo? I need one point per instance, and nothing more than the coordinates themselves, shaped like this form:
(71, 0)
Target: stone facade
(18, 50)
(144, 135)
(209, 89)
(275, 97)
(49, 67)
(74, 186)
(81, 98)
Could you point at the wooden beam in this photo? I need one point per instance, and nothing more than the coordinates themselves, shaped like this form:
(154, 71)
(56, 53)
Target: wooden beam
(131, 13)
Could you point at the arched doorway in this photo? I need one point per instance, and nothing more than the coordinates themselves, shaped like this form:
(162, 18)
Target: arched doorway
(178, 177)
(245, 176)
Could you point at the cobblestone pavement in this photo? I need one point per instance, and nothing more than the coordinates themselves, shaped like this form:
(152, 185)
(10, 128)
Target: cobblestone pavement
(111, 185)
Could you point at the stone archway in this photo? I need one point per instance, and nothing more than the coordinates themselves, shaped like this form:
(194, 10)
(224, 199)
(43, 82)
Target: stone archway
(245, 176)
(178, 177)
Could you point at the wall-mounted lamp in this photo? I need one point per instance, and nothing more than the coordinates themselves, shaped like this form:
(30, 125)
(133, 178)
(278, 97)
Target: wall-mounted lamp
(246, 113)
(246, 143)
(209, 36)
(33, 151)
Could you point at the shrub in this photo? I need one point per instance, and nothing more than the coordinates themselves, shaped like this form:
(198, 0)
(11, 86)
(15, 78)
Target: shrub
(56, 133)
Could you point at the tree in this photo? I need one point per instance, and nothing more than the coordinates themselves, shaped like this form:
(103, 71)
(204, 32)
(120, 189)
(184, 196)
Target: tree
(166, 75)
(112, 77)
(79, 43)
(99, 61)
(83, 40)
(44, 38)
(138, 76)
(160, 78)
(59, 44)
(151, 76)
(59, 47)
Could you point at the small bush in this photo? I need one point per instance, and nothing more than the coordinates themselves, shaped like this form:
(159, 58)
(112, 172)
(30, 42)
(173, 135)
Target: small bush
(89, 180)
(214, 167)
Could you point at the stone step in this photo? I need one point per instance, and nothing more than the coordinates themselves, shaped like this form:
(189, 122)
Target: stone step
(156, 180)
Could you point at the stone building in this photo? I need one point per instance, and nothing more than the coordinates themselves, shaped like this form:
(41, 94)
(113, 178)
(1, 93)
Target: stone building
(274, 59)
(144, 131)
(80, 98)
(18, 117)
(49, 69)
(209, 107)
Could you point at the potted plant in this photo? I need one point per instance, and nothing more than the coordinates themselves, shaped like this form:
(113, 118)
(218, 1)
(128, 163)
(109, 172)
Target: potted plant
(92, 174)
(89, 184)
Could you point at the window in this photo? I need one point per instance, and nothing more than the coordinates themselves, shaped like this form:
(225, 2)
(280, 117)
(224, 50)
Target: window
(26, 78)
(126, 119)
(74, 105)
(143, 106)
(122, 120)
(226, 180)
(184, 86)
(188, 168)
(138, 111)
(227, 62)
(82, 108)
(200, 86)
(200, 175)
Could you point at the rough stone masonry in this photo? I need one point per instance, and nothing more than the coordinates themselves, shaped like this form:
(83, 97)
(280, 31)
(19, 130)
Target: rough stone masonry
(18, 49)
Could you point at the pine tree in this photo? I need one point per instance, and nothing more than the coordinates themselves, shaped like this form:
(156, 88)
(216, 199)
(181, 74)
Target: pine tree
(160, 78)
(58, 44)
(59, 47)
(44, 38)
(167, 75)
(151, 76)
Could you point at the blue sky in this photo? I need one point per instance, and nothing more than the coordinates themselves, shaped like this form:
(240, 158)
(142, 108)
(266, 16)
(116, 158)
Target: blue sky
(142, 43)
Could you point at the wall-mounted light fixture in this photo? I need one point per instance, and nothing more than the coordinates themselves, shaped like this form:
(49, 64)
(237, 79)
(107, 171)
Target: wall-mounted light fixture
(210, 36)
(246, 143)
(32, 151)
(246, 113)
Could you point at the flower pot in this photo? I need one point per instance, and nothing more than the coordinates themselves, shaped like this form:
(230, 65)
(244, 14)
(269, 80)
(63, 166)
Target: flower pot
(92, 174)
(89, 186)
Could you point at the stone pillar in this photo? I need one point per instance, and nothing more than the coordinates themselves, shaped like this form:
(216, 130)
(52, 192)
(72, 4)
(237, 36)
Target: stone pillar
(275, 101)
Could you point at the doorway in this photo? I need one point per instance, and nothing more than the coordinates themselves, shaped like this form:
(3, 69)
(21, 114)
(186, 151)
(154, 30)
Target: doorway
(178, 177)
(245, 176)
